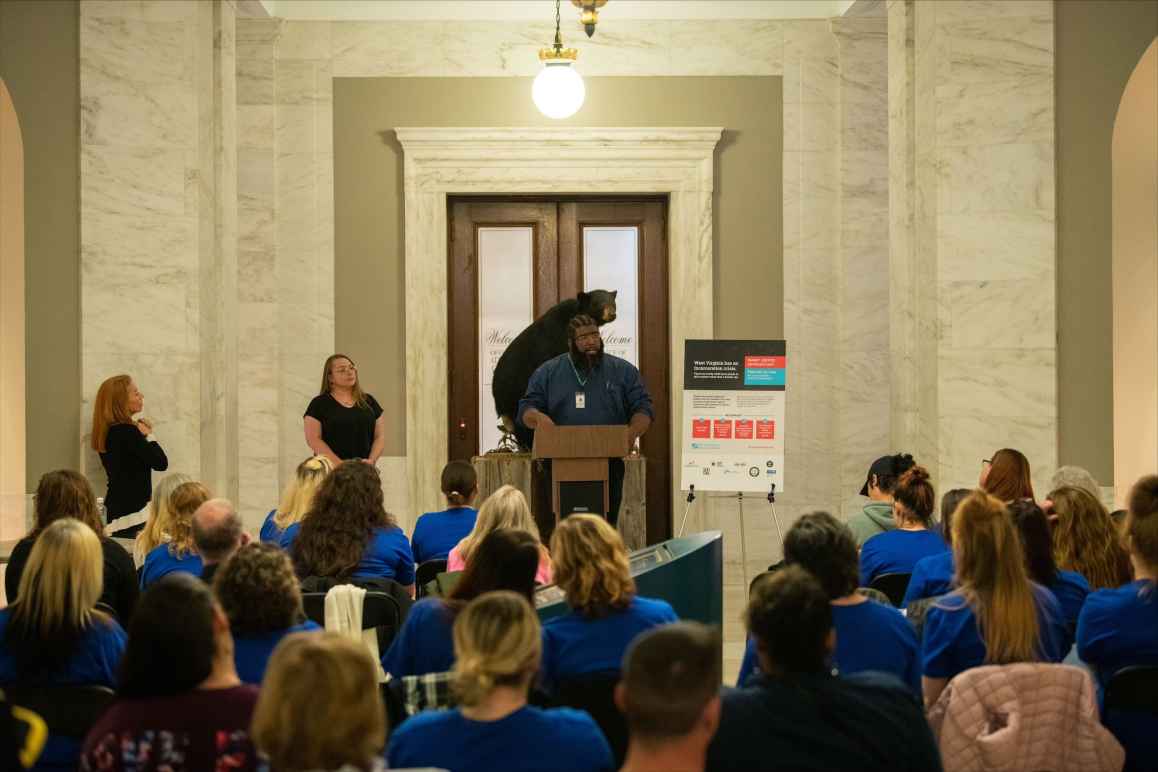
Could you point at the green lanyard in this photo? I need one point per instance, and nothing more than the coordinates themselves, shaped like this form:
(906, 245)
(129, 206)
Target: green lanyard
(582, 381)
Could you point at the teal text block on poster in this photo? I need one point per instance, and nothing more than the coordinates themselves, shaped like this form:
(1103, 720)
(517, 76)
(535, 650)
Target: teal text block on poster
(763, 376)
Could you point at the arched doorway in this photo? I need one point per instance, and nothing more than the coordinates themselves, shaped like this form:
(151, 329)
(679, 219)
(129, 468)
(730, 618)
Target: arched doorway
(1135, 277)
(12, 448)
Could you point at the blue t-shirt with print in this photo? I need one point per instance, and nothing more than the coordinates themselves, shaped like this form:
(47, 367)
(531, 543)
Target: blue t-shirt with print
(251, 653)
(437, 533)
(574, 644)
(528, 740)
(897, 552)
(162, 561)
(425, 644)
(387, 554)
(952, 641)
(932, 576)
(869, 636)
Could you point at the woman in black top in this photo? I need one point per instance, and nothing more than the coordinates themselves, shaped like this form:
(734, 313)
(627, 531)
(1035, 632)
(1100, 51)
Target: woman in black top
(343, 422)
(65, 493)
(126, 451)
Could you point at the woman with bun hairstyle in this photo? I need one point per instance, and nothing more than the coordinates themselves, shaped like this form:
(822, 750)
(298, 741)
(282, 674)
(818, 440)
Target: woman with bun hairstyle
(497, 650)
(437, 533)
(1006, 476)
(126, 447)
(898, 550)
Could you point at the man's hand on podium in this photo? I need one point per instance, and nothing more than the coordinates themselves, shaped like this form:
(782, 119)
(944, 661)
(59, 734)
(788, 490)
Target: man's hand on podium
(535, 419)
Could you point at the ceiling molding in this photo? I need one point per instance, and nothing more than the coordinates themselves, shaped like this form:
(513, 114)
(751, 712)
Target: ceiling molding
(537, 10)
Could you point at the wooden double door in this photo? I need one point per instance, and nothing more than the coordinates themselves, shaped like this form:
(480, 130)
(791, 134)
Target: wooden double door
(512, 259)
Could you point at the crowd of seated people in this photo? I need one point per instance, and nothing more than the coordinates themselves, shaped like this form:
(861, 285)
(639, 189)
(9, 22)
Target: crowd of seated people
(219, 667)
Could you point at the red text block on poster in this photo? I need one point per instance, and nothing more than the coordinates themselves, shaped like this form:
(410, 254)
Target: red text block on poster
(744, 428)
(765, 430)
(769, 363)
(722, 429)
(701, 428)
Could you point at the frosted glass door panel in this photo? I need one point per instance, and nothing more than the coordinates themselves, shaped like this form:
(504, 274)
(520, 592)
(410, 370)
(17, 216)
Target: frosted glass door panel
(505, 306)
(611, 262)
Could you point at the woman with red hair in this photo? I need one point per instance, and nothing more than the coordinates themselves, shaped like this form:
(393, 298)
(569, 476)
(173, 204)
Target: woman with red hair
(126, 447)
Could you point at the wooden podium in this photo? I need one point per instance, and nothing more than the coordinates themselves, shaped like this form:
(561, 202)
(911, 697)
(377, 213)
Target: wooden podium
(579, 465)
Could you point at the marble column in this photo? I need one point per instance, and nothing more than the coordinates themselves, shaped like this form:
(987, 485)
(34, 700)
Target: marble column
(972, 233)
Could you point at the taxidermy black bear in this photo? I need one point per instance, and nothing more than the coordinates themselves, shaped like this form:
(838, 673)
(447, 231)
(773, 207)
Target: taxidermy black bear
(544, 339)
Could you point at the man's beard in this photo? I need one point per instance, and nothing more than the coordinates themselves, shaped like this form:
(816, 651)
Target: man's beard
(585, 362)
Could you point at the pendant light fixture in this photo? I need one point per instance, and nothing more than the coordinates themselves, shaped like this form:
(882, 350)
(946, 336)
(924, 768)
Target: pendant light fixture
(558, 89)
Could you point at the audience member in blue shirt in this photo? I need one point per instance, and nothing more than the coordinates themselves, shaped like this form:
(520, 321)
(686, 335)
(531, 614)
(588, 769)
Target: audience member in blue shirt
(52, 632)
(869, 635)
(436, 533)
(897, 551)
(179, 553)
(997, 615)
(497, 648)
(349, 535)
(933, 575)
(296, 500)
(258, 591)
(796, 714)
(1118, 627)
(505, 559)
(1069, 587)
(605, 614)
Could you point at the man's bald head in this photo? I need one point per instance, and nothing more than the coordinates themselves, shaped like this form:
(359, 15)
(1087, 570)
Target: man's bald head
(217, 530)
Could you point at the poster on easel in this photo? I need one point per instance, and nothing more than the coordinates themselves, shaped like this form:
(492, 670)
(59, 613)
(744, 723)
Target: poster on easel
(733, 418)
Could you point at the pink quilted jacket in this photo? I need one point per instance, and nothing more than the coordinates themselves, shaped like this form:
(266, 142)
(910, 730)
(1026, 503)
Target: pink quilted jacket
(1028, 717)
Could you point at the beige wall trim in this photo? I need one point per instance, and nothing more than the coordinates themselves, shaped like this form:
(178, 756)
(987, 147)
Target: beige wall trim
(442, 161)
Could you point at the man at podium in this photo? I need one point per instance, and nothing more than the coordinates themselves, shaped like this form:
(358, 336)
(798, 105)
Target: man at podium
(586, 387)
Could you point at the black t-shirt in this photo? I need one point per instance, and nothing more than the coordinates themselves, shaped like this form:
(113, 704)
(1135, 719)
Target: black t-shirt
(349, 431)
(120, 588)
(866, 721)
(129, 459)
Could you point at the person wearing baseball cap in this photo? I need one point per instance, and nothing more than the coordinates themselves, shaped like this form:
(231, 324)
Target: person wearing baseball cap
(877, 515)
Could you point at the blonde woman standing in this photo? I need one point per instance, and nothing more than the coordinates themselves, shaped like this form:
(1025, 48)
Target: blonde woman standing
(591, 567)
(52, 633)
(323, 674)
(996, 615)
(296, 501)
(505, 508)
(497, 650)
(179, 553)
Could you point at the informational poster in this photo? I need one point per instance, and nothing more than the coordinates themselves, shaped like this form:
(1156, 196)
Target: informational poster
(733, 420)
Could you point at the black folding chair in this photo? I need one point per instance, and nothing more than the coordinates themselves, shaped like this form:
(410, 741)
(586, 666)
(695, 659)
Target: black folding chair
(68, 711)
(427, 571)
(595, 693)
(892, 585)
(1133, 688)
(380, 612)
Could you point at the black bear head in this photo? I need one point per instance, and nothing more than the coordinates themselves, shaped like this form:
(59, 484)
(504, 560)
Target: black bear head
(599, 305)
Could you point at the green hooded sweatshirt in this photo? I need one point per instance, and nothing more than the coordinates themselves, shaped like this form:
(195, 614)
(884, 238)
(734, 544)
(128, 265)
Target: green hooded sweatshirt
(876, 517)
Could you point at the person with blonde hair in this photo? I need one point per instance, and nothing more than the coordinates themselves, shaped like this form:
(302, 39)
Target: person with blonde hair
(126, 446)
(65, 493)
(296, 500)
(160, 519)
(179, 552)
(314, 676)
(996, 615)
(52, 632)
(497, 650)
(1086, 541)
(260, 594)
(505, 508)
(605, 614)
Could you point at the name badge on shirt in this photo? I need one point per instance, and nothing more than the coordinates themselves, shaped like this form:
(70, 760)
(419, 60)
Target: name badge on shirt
(580, 400)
